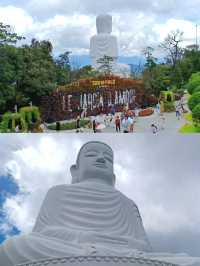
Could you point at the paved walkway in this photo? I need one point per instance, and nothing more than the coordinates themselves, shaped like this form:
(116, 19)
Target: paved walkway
(143, 125)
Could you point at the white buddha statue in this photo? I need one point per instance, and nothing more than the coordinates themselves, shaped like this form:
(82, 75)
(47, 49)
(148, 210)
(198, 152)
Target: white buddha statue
(89, 217)
(105, 44)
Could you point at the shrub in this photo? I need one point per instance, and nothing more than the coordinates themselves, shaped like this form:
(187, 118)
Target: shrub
(196, 115)
(169, 107)
(10, 121)
(69, 125)
(188, 129)
(194, 100)
(193, 83)
(197, 89)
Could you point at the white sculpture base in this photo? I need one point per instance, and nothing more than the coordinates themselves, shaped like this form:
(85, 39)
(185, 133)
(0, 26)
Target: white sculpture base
(99, 261)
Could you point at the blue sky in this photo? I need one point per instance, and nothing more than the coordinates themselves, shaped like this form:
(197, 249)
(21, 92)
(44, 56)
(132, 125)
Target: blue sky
(160, 175)
(7, 188)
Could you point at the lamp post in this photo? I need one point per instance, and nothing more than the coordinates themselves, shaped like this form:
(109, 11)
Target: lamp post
(196, 37)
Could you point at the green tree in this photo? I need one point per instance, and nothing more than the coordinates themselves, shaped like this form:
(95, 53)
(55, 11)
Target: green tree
(9, 65)
(194, 100)
(150, 59)
(157, 80)
(63, 69)
(38, 71)
(7, 36)
(172, 48)
(105, 64)
(193, 83)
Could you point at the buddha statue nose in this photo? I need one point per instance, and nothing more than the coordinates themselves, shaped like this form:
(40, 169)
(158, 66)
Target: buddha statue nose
(101, 159)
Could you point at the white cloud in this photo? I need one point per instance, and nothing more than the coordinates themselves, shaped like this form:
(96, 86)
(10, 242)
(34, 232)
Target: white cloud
(70, 27)
(188, 27)
(18, 18)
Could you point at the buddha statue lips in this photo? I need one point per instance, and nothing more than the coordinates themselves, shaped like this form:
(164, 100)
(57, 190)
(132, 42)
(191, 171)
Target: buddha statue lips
(88, 217)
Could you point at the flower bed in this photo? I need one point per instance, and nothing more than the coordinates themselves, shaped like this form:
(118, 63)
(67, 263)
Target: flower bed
(146, 112)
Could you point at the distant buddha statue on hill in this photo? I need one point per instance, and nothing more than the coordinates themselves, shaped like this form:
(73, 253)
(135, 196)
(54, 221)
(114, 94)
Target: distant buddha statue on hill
(88, 217)
(105, 44)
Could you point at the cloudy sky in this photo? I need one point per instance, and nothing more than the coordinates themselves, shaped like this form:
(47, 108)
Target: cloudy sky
(161, 176)
(70, 24)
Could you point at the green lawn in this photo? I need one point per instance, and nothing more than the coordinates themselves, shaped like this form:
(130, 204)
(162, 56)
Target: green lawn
(188, 117)
(189, 128)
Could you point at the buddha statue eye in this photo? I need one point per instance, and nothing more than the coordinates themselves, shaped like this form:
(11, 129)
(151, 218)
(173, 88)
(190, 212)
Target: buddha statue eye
(91, 154)
(109, 159)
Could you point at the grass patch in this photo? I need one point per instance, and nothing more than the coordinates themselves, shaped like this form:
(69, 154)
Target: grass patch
(188, 117)
(69, 125)
(189, 128)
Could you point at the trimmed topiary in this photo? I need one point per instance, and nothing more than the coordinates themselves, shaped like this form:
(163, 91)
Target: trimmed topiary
(13, 122)
(167, 96)
(31, 114)
(194, 100)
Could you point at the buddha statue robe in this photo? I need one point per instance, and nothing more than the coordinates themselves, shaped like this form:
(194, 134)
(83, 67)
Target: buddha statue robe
(80, 219)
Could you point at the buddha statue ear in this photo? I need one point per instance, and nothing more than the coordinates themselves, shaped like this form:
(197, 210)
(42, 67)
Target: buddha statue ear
(114, 180)
(74, 174)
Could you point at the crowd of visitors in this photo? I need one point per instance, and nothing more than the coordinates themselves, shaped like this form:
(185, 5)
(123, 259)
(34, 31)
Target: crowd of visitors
(124, 122)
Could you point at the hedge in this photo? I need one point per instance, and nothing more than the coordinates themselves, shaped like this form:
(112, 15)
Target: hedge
(69, 126)
(30, 114)
(196, 115)
(10, 121)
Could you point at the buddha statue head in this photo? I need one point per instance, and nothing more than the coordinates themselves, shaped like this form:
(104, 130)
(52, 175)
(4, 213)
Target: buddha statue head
(94, 164)
(104, 24)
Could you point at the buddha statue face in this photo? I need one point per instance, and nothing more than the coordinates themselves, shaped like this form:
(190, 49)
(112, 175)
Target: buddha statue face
(94, 163)
(104, 24)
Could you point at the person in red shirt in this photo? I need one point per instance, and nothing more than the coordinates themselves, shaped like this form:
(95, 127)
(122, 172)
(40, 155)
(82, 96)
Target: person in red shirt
(118, 124)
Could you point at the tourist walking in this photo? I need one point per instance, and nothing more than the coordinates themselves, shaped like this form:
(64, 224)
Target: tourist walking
(57, 126)
(182, 104)
(125, 125)
(78, 124)
(130, 124)
(154, 128)
(137, 113)
(118, 124)
(94, 125)
(178, 110)
(158, 108)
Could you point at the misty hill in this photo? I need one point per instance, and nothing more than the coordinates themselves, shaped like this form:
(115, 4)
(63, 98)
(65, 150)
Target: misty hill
(78, 61)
